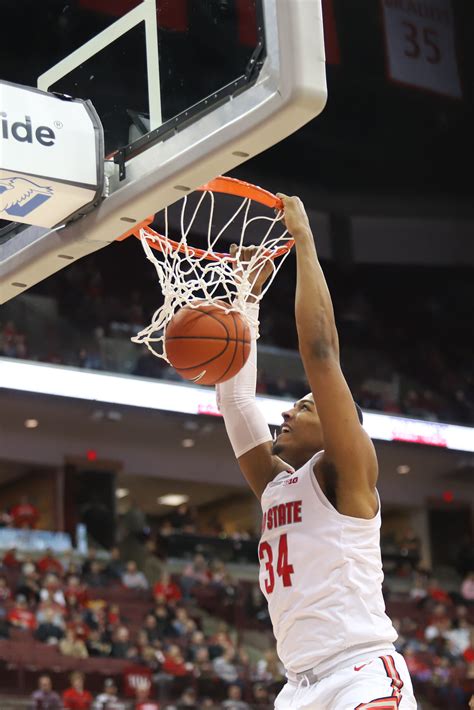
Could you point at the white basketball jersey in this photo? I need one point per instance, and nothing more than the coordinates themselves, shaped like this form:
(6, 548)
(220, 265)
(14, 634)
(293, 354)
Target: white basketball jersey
(321, 573)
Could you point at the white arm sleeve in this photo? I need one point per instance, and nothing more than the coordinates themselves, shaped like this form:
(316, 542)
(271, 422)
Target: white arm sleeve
(245, 423)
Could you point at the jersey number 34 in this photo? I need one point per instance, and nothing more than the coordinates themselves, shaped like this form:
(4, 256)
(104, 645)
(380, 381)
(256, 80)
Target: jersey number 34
(283, 568)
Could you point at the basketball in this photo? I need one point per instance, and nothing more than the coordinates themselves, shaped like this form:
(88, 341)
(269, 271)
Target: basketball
(207, 345)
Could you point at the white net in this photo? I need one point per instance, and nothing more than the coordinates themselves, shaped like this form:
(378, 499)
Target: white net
(194, 277)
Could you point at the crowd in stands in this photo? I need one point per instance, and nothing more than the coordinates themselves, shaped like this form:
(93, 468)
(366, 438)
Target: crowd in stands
(390, 321)
(154, 633)
(151, 629)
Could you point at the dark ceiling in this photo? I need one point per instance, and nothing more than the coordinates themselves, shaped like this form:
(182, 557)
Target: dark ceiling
(374, 137)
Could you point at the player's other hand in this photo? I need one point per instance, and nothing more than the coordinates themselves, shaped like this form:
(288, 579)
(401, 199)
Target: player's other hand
(294, 215)
(259, 270)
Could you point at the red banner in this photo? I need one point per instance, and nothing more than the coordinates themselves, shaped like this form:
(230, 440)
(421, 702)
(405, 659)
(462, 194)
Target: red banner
(331, 42)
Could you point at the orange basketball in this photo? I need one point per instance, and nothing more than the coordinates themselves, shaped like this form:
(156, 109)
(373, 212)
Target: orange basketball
(207, 345)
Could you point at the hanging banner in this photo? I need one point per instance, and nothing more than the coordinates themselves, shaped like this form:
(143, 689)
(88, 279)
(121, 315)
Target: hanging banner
(331, 41)
(420, 45)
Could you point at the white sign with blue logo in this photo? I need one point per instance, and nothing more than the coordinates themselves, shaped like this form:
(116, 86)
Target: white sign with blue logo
(51, 156)
(38, 200)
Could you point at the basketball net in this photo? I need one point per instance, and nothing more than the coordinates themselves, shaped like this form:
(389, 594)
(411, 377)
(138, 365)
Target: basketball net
(194, 277)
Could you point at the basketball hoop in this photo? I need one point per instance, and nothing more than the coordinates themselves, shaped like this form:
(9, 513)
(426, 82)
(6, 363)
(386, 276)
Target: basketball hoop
(193, 277)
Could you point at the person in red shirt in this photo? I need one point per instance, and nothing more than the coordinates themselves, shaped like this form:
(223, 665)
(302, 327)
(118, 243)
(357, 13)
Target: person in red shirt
(78, 626)
(49, 563)
(75, 592)
(10, 559)
(20, 616)
(174, 662)
(113, 615)
(468, 654)
(25, 514)
(437, 593)
(75, 697)
(167, 589)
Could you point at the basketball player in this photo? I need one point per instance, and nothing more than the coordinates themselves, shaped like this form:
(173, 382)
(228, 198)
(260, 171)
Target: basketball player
(320, 561)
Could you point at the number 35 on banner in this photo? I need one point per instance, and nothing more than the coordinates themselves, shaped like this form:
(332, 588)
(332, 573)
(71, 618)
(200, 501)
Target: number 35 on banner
(420, 45)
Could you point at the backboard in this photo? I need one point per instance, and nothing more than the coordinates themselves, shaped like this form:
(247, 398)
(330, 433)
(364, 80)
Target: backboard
(185, 90)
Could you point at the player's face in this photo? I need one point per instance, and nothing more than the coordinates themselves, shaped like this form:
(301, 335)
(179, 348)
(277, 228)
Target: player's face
(300, 435)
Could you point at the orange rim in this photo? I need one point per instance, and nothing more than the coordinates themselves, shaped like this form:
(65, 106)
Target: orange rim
(222, 185)
(239, 188)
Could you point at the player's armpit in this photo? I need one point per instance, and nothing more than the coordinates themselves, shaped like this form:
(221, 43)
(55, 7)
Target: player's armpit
(347, 446)
(259, 466)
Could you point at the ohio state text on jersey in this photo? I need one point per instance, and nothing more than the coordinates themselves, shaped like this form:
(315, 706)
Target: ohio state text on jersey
(321, 573)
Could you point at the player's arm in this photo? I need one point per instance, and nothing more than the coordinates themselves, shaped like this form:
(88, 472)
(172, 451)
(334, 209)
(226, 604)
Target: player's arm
(347, 447)
(247, 429)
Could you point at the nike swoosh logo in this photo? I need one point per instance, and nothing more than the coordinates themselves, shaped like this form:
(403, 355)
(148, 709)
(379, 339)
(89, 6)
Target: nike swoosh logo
(358, 668)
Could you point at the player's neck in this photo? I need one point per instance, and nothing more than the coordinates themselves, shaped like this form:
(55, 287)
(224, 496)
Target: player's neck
(300, 458)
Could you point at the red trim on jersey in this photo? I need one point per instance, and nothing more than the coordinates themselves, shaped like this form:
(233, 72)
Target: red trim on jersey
(380, 704)
(393, 702)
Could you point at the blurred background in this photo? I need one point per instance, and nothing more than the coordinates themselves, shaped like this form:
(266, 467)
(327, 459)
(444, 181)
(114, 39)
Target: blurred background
(128, 539)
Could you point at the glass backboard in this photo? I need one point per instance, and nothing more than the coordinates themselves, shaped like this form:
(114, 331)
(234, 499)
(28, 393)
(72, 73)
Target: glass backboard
(185, 90)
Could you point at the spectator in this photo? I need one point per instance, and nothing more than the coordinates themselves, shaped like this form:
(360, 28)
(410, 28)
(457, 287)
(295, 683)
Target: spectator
(143, 701)
(114, 568)
(4, 628)
(194, 574)
(121, 645)
(45, 698)
(28, 584)
(203, 667)
(73, 646)
(234, 699)
(467, 588)
(419, 592)
(132, 578)
(5, 592)
(183, 519)
(113, 615)
(91, 557)
(410, 547)
(225, 668)
(25, 514)
(75, 593)
(152, 566)
(76, 697)
(57, 614)
(437, 593)
(151, 629)
(468, 654)
(133, 533)
(48, 631)
(107, 700)
(163, 620)
(269, 667)
(167, 590)
(174, 663)
(6, 519)
(97, 645)
(94, 577)
(51, 591)
(458, 637)
(10, 560)
(188, 700)
(21, 616)
(180, 622)
(49, 563)
(261, 697)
